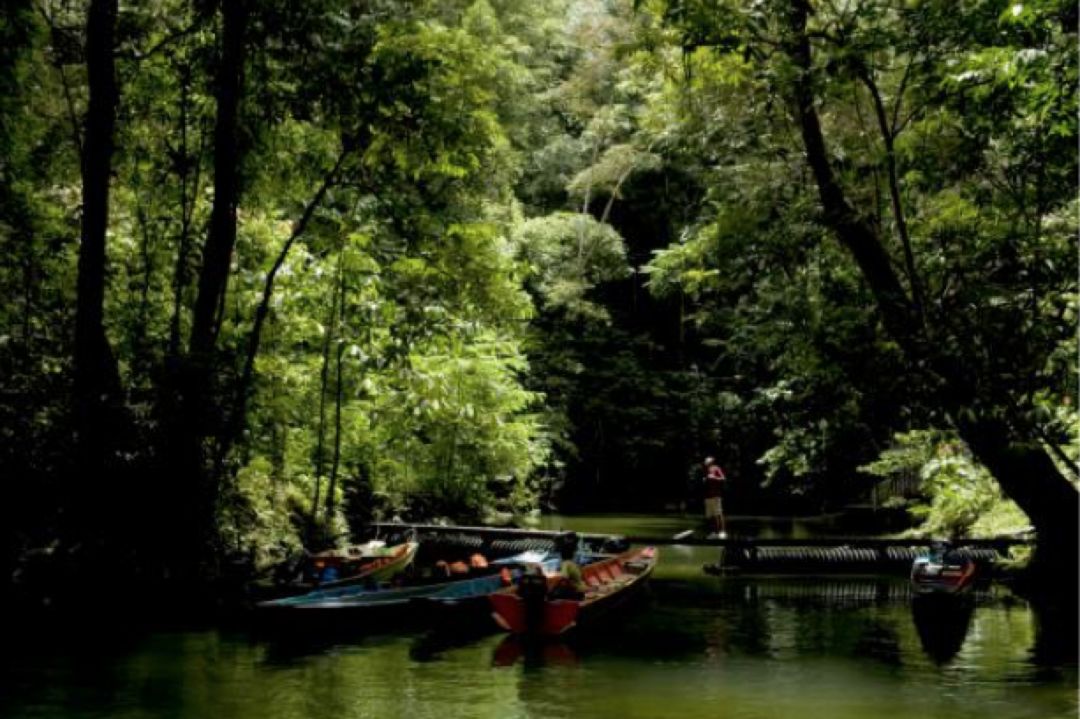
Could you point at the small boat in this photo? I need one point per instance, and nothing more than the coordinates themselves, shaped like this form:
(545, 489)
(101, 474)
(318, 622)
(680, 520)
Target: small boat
(610, 582)
(943, 570)
(359, 564)
(449, 593)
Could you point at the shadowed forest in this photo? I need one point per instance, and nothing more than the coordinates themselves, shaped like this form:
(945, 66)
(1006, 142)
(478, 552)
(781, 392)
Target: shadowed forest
(275, 269)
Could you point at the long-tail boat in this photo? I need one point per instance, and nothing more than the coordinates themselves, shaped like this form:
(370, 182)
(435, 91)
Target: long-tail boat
(358, 564)
(437, 594)
(609, 583)
(374, 566)
(943, 571)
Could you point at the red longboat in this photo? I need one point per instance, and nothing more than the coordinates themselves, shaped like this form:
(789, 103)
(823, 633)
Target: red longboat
(943, 571)
(610, 583)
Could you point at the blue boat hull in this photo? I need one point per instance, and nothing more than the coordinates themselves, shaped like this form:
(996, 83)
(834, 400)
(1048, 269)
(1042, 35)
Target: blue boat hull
(360, 598)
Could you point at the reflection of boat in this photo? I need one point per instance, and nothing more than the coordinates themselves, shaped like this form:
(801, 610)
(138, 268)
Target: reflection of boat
(943, 570)
(610, 582)
(942, 622)
(549, 653)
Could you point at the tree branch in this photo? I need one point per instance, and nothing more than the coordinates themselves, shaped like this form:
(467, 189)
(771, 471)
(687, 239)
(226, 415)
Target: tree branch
(900, 97)
(165, 42)
(852, 230)
(236, 421)
(894, 191)
(73, 117)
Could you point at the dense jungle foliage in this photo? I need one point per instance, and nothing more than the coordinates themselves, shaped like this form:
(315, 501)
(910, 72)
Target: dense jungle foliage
(273, 268)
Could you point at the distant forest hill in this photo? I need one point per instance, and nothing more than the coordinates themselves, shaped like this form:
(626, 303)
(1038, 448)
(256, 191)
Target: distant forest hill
(274, 269)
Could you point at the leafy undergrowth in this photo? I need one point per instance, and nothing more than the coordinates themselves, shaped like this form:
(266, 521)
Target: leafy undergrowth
(958, 496)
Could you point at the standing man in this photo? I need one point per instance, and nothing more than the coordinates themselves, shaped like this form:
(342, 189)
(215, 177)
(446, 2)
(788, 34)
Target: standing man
(715, 482)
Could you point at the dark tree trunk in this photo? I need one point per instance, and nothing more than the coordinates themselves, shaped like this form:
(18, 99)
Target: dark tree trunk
(324, 380)
(217, 252)
(335, 465)
(1023, 468)
(97, 383)
(140, 345)
(194, 483)
(29, 285)
(185, 165)
(1031, 479)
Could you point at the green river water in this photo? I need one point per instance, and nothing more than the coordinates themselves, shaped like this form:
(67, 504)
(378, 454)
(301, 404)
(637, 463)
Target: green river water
(696, 646)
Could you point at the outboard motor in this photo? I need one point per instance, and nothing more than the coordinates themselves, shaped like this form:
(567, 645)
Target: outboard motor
(532, 588)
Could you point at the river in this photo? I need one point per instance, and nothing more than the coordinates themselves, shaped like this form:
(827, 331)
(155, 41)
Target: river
(697, 646)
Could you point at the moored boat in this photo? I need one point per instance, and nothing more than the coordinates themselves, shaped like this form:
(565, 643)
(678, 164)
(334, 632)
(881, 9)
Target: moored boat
(362, 564)
(376, 565)
(609, 583)
(943, 570)
(362, 596)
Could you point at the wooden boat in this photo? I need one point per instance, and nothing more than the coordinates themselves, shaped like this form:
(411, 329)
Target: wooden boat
(610, 583)
(448, 593)
(942, 571)
(360, 564)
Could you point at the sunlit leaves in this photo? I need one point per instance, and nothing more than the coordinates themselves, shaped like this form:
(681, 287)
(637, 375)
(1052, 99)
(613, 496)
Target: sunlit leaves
(569, 254)
(957, 495)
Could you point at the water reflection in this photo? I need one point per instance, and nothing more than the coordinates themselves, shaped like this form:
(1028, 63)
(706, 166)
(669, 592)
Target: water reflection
(534, 654)
(290, 640)
(741, 647)
(880, 641)
(433, 645)
(942, 623)
(1057, 628)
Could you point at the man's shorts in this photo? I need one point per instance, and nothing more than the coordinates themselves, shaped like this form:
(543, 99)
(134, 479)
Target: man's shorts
(713, 507)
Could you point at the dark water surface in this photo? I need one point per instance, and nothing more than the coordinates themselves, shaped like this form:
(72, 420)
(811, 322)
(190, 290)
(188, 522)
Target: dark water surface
(698, 646)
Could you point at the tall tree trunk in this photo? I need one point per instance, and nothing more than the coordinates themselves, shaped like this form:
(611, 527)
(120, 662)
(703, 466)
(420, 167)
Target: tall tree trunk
(187, 208)
(195, 485)
(221, 239)
(331, 487)
(140, 345)
(97, 382)
(1023, 468)
(324, 380)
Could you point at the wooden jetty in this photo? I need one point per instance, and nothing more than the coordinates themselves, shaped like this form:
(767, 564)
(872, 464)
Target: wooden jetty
(810, 554)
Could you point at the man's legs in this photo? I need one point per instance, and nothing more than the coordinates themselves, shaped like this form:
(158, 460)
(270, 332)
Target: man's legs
(714, 515)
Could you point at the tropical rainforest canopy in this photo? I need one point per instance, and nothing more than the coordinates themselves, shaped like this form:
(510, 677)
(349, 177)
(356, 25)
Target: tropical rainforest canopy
(274, 268)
